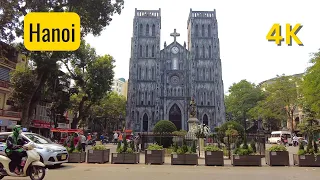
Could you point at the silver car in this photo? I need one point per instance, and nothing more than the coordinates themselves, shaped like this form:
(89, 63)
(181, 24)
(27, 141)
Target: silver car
(50, 153)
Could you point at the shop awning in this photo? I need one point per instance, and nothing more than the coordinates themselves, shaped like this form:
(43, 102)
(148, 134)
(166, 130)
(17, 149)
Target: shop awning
(67, 130)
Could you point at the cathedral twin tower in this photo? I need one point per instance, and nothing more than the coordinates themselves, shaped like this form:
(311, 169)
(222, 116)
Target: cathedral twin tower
(163, 81)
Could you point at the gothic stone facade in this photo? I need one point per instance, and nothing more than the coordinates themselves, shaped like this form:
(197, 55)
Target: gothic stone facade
(163, 81)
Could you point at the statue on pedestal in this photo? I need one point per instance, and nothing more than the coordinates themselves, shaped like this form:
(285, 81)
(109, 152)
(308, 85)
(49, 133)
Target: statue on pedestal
(193, 108)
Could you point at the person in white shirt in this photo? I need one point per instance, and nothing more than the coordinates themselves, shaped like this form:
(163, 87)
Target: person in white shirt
(115, 137)
(83, 140)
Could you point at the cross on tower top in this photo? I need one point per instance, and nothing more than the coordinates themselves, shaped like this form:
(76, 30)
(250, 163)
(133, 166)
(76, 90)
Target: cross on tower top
(175, 34)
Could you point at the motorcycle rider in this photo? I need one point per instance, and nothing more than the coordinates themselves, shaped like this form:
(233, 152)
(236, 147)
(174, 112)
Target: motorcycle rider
(14, 149)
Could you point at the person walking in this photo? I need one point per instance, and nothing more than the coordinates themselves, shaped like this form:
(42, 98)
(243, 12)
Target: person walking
(83, 140)
(137, 142)
(115, 137)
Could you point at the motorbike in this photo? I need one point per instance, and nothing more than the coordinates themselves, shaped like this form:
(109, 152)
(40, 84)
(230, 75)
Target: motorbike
(33, 167)
(91, 142)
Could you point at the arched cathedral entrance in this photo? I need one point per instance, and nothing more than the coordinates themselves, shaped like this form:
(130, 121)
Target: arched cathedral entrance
(175, 116)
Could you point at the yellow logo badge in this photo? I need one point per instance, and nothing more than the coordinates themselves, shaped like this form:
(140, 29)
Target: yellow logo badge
(52, 31)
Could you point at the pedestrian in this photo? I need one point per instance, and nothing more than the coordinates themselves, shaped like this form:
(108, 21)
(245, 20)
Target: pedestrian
(115, 137)
(137, 142)
(83, 140)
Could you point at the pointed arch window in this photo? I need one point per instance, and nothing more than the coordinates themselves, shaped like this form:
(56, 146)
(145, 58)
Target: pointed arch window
(153, 30)
(141, 30)
(145, 122)
(196, 30)
(205, 120)
(152, 51)
(140, 50)
(210, 55)
(202, 31)
(209, 30)
(147, 49)
(147, 30)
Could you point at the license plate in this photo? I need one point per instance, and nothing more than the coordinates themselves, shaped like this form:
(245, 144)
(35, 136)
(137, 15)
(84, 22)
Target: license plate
(63, 157)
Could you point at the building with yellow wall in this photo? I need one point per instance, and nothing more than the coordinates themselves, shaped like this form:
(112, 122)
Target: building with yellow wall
(120, 86)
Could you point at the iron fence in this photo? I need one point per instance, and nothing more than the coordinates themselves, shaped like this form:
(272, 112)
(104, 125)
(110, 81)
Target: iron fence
(226, 143)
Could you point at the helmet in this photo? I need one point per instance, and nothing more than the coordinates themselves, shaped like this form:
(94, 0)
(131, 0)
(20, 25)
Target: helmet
(17, 130)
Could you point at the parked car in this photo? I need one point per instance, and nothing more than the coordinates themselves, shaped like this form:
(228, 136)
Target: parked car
(50, 153)
(276, 137)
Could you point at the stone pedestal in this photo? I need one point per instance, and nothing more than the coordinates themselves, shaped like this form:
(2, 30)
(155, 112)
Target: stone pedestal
(192, 123)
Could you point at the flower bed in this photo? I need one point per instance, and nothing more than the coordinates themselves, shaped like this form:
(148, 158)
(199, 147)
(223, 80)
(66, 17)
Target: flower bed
(213, 156)
(76, 155)
(277, 155)
(307, 157)
(154, 154)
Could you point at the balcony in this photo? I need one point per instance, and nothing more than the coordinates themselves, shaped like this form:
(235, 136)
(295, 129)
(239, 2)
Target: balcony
(13, 114)
(4, 84)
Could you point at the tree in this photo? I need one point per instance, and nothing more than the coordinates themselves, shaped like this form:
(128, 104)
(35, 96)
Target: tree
(93, 77)
(242, 97)
(311, 85)
(282, 98)
(109, 109)
(95, 16)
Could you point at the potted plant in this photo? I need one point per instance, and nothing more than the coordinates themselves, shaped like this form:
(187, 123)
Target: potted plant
(184, 155)
(125, 154)
(213, 156)
(245, 156)
(307, 157)
(311, 155)
(277, 155)
(98, 154)
(154, 154)
(76, 155)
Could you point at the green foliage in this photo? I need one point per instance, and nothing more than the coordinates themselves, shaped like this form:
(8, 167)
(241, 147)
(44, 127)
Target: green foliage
(184, 146)
(119, 146)
(22, 83)
(301, 146)
(79, 147)
(242, 97)
(95, 15)
(125, 145)
(163, 127)
(180, 133)
(132, 145)
(71, 147)
(194, 147)
(277, 148)
(212, 148)
(243, 151)
(253, 146)
(175, 147)
(99, 147)
(231, 125)
(154, 147)
(301, 152)
(282, 98)
(311, 85)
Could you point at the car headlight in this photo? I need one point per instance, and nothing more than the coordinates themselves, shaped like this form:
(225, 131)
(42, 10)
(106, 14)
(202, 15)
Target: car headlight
(48, 150)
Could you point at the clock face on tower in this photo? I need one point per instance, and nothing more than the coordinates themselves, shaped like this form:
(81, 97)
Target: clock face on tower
(175, 50)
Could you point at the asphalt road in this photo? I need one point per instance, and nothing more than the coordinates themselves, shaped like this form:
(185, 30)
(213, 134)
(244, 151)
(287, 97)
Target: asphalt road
(167, 172)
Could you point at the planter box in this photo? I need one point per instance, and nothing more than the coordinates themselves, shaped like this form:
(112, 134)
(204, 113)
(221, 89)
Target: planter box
(98, 156)
(306, 160)
(277, 158)
(154, 156)
(77, 157)
(184, 159)
(214, 158)
(246, 160)
(125, 158)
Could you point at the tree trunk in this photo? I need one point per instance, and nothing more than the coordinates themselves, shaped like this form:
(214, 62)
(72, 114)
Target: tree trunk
(27, 113)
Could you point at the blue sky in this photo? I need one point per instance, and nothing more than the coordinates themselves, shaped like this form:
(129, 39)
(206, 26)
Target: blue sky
(243, 26)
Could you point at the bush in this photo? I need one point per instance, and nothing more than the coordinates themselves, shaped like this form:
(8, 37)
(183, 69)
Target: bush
(71, 147)
(212, 148)
(163, 127)
(154, 147)
(224, 127)
(277, 148)
(194, 147)
(99, 147)
(301, 146)
(253, 146)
